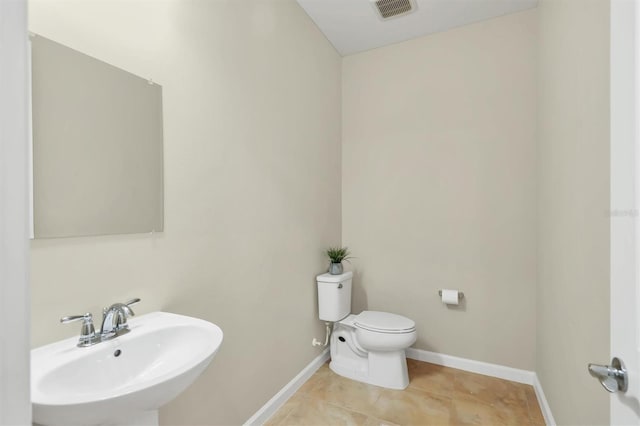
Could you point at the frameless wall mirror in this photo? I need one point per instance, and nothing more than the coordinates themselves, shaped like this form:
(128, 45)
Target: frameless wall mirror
(97, 146)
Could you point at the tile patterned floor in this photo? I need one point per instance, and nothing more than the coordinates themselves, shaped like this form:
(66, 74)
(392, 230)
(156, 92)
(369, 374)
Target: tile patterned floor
(436, 396)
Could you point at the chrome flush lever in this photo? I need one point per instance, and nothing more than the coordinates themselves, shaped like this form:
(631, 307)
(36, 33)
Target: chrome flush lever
(612, 377)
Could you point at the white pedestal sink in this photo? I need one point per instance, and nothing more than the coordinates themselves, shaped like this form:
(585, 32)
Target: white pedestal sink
(123, 381)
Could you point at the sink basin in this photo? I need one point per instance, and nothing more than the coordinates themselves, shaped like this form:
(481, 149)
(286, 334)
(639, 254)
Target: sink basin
(124, 380)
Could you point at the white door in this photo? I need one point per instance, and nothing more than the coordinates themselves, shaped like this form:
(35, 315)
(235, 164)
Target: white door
(15, 403)
(625, 208)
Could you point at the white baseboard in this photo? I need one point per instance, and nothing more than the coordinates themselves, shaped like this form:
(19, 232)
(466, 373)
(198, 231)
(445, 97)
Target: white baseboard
(494, 370)
(269, 409)
(544, 405)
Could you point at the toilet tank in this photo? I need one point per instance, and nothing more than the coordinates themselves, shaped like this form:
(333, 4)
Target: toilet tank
(334, 296)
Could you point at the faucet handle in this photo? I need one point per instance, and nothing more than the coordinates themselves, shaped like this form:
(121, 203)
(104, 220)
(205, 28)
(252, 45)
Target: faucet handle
(74, 318)
(88, 335)
(114, 318)
(126, 308)
(132, 301)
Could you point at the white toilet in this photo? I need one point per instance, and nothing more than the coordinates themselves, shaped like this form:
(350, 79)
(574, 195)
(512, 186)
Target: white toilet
(368, 347)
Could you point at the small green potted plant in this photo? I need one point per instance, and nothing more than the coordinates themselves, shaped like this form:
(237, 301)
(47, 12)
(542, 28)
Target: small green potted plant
(337, 255)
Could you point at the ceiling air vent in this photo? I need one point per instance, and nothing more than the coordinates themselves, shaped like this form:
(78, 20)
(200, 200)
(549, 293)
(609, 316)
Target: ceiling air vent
(393, 8)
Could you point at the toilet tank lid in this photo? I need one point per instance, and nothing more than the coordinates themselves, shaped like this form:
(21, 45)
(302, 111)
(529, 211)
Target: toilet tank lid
(374, 320)
(328, 278)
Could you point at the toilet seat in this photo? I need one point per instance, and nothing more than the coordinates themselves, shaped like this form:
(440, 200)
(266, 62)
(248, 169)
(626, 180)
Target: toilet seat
(384, 322)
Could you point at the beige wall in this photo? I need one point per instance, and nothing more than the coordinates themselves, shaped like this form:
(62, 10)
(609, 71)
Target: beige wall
(252, 184)
(573, 252)
(439, 185)
(442, 187)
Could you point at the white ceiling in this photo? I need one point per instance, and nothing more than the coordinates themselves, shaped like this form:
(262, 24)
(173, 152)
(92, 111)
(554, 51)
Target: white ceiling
(354, 26)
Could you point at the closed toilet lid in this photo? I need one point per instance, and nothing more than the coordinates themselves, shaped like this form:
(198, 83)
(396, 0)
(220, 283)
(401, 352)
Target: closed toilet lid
(384, 322)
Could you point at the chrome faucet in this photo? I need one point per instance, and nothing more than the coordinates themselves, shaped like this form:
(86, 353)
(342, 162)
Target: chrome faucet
(114, 319)
(114, 323)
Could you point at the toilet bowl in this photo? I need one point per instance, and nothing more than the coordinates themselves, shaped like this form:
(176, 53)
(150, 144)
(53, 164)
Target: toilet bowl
(370, 346)
(372, 356)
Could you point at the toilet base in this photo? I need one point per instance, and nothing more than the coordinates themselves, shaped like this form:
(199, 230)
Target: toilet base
(385, 369)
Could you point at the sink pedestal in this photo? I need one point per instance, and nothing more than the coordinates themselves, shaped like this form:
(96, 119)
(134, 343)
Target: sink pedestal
(143, 418)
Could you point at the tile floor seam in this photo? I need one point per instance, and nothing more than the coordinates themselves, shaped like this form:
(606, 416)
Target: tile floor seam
(282, 422)
(529, 410)
(354, 411)
(367, 414)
